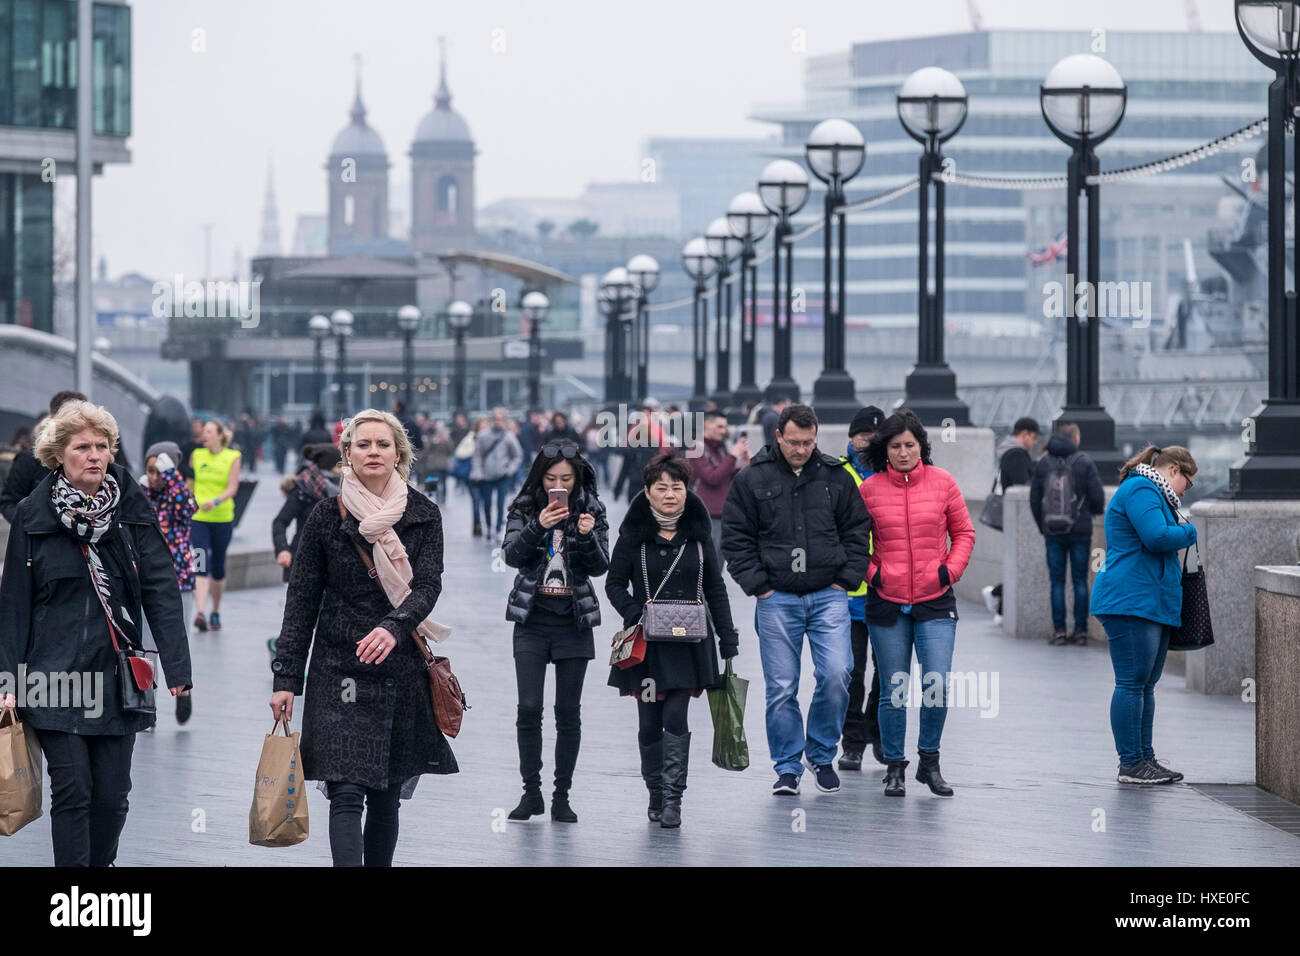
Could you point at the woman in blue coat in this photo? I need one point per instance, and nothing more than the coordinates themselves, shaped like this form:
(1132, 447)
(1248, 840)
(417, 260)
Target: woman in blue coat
(1138, 597)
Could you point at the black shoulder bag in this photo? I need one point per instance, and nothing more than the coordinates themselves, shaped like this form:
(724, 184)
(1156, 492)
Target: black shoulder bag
(1195, 630)
(682, 621)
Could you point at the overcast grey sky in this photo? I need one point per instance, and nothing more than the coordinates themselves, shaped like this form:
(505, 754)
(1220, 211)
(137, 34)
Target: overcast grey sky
(572, 96)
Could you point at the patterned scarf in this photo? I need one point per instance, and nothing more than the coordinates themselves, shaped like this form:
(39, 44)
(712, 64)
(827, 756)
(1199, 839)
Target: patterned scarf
(1146, 471)
(314, 482)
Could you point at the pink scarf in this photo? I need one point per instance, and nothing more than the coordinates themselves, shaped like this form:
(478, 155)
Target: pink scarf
(376, 516)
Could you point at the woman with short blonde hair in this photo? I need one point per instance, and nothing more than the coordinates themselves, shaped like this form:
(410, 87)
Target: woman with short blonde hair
(86, 564)
(405, 453)
(216, 467)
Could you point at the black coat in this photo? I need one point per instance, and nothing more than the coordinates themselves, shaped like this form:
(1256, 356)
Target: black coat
(586, 555)
(670, 665)
(795, 533)
(370, 724)
(297, 508)
(25, 473)
(1085, 479)
(51, 620)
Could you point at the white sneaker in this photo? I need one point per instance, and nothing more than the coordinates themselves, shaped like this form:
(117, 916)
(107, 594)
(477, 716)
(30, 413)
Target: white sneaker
(997, 620)
(990, 599)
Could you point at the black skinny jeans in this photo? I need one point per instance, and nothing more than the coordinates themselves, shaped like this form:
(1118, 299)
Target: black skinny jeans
(656, 717)
(861, 723)
(530, 676)
(348, 845)
(90, 777)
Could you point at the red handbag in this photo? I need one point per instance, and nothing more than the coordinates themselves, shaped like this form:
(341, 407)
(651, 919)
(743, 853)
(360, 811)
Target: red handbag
(629, 647)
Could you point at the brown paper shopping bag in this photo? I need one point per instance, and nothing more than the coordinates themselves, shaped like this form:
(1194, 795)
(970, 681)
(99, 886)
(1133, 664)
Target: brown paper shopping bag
(278, 816)
(20, 774)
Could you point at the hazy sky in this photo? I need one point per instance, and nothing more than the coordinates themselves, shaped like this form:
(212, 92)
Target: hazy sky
(578, 87)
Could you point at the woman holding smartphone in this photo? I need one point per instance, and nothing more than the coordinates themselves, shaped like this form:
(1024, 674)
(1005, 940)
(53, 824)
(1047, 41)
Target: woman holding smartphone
(558, 538)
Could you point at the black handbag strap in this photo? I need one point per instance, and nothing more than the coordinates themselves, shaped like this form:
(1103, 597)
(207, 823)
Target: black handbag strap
(645, 574)
(1178, 519)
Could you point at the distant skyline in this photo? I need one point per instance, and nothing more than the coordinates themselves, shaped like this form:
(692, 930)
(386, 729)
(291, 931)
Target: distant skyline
(556, 94)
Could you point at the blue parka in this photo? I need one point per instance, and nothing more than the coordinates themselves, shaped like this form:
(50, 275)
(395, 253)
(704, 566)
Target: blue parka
(1143, 576)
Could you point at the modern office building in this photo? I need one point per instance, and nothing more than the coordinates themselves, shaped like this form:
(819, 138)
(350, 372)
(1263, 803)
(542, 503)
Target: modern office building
(705, 172)
(1183, 90)
(38, 115)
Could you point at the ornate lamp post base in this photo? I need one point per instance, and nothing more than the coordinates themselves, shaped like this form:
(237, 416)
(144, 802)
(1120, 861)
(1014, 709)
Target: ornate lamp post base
(931, 392)
(1274, 473)
(834, 397)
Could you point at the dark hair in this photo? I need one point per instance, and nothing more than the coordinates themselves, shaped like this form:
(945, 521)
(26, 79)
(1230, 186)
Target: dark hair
(714, 413)
(1026, 424)
(903, 420)
(530, 493)
(67, 395)
(666, 465)
(1159, 457)
(802, 415)
(778, 399)
(399, 407)
(1068, 429)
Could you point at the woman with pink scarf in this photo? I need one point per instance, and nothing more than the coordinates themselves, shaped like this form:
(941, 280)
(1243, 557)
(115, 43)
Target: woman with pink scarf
(368, 729)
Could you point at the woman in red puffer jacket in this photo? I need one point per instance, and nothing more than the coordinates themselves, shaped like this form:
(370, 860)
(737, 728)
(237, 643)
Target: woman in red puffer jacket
(923, 541)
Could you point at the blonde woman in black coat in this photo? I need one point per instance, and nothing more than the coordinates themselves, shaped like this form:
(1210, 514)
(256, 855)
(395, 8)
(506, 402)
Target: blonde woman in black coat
(668, 520)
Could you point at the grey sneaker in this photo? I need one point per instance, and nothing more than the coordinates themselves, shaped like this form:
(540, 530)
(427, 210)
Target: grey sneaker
(1174, 774)
(1143, 772)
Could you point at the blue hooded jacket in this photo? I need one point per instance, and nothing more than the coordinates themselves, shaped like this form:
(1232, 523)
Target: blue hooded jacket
(1143, 576)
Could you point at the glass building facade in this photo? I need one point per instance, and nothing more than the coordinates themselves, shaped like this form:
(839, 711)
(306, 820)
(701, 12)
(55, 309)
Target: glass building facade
(1183, 90)
(38, 91)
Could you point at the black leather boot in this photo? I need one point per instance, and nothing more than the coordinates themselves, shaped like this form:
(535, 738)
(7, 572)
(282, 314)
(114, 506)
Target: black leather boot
(895, 777)
(677, 752)
(652, 765)
(568, 737)
(927, 771)
(528, 733)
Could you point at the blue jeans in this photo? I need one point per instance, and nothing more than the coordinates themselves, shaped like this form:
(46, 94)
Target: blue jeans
(1074, 548)
(934, 642)
(781, 620)
(1137, 652)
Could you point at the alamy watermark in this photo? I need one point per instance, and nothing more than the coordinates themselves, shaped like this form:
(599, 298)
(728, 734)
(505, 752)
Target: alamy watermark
(214, 299)
(1114, 300)
(78, 690)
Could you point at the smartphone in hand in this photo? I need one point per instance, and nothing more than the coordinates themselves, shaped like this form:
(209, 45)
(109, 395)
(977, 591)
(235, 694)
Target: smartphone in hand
(560, 495)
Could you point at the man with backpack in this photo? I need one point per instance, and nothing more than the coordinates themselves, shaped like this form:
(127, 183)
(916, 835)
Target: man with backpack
(1064, 495)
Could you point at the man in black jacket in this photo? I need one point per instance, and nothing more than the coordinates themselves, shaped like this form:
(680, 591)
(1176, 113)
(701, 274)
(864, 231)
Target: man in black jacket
(1015, 467)
(795, 534)
(1065, 521)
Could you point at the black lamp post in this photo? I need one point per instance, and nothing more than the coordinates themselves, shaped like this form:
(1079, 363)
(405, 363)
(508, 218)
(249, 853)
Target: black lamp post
(835, 153)
(932, 108)
(319, 328)
(783, 187)
(408, 320)
(699, 265)
(1083, 100)
(341, 321)
(723, 246)
(749, 221)
(643, 270)
(617, 292)
(534, 306)
(1271, 465)
(459, 315)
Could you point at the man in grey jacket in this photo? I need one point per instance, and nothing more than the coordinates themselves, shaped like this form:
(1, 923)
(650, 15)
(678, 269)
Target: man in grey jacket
(497, 457)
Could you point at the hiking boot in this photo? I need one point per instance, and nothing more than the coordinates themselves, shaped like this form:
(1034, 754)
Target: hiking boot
(1143, 772)
(1174, 774)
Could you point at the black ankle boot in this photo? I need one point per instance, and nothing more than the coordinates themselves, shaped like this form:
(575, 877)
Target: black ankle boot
(895, 777)
(927, 771)
(561, 812)
(568, 738)
(677, 752)
(528, 735)
(652, 765)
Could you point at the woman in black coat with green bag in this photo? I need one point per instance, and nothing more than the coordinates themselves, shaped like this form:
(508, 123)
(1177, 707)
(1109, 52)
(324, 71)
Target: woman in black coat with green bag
(672, 525)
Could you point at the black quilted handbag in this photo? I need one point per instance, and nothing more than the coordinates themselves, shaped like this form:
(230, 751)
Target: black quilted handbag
(1195, 631)
(683, 621)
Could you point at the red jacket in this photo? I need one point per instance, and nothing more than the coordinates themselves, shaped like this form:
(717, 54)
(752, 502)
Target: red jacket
(913, 515)
(712, 471)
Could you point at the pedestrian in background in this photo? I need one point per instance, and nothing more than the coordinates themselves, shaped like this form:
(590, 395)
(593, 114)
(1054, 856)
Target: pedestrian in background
(316, 481)
(173, 505)
(596, 452)
(216, 469)
(862, 721)
(922, 541)
(558, 545)
(497, 457)
(714, 467)
(796, 536)
(369, 745)
(26, 470)
(661, 544)
(438, 451)
(1015, 465)
(85, 563)
(1064, 494)
(1138, 597)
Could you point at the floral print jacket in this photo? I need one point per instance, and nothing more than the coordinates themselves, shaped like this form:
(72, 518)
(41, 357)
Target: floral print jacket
(174, 504)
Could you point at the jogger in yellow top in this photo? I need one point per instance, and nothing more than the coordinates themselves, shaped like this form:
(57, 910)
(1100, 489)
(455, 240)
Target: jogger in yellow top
(216, 478)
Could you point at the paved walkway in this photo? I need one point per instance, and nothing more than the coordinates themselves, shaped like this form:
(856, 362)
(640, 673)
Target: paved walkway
(1035, 781)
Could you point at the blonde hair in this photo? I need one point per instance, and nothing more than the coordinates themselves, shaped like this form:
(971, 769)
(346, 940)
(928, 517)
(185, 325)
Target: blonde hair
(54, 433)
(222, 430)
(400, 439)
(1159, 458)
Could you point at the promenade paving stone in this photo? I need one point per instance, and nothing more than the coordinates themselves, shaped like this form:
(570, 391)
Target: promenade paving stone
(1035, 781)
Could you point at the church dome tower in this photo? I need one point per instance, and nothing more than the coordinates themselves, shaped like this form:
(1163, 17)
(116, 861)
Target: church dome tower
(357, 177)
(442, 176)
